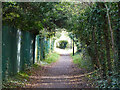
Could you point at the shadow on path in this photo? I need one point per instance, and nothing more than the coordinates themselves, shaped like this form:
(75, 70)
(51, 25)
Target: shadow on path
(62, 74)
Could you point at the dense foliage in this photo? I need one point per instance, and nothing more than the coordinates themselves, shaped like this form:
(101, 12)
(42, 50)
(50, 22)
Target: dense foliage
(94, 26)
(33, 17)
(62, 44)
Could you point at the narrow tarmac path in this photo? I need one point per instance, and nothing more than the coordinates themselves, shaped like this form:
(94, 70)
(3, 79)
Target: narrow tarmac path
(62, 74)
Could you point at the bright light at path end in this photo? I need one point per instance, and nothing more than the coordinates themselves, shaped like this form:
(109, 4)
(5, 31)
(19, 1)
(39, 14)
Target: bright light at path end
(64, 36)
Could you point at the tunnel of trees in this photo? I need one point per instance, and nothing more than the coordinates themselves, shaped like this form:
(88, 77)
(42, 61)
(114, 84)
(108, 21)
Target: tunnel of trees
(95, 27)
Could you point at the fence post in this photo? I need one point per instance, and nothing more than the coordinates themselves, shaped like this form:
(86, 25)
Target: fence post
(0, 45)
(34, 39)
(73, 45)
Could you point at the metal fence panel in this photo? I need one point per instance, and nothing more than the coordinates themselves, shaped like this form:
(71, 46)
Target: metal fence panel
(9, 52)
(17, 50)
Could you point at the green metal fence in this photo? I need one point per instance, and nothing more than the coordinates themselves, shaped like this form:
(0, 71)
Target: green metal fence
(43, 48)
(17, 50)
(47, 45)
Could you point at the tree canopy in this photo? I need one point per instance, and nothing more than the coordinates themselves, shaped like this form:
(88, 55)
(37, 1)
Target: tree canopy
(95, 27)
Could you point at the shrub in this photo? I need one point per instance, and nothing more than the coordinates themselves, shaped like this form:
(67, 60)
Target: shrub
(52, 58)
(82, 61)
(63, 44)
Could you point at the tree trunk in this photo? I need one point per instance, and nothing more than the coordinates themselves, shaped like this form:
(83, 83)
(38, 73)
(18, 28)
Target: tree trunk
(95, 56)
(106, 36)
(117, 63)
(111, 31)
(107, 45)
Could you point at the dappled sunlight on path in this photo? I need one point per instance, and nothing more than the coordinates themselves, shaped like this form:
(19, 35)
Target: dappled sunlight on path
(62, 74)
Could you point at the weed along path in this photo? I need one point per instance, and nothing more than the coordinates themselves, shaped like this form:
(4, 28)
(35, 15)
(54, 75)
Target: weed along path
(62, 74)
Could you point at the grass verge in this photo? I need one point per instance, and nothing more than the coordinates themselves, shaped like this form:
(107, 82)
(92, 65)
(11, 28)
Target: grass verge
(53, 57)
(82, 61)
